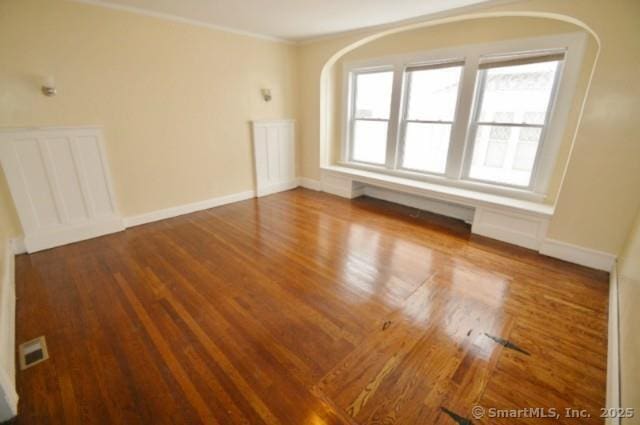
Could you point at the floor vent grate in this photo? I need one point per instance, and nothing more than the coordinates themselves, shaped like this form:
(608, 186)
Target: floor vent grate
(33, 352)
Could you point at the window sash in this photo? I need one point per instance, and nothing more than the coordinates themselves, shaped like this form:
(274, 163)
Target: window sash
(473, 127)
(488, 62)
(407, 76)
(509, 124)
(448, 63)
(351, 145)
(353, 89)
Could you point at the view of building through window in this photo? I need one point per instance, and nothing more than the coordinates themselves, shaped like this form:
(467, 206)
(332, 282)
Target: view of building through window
(371, 116)
(514, 102)
(431, 107)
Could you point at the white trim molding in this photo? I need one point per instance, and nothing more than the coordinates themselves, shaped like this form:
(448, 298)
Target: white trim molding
(71, 234)
(174, 18)
(157, 215)
(613, 348)
(578, 255)
(8, 394)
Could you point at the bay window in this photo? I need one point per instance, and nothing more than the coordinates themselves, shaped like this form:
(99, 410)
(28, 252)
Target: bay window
(484, 116)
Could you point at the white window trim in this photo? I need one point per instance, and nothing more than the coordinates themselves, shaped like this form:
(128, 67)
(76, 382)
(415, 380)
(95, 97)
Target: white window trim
(573, 45)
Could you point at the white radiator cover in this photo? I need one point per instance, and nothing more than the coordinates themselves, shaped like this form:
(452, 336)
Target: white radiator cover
(60, 183)
(275, 156)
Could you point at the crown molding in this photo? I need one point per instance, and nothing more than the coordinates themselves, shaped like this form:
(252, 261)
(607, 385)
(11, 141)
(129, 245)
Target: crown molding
(178, 19)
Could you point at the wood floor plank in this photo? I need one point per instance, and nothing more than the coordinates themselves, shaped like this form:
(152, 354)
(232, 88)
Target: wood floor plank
(304, 308)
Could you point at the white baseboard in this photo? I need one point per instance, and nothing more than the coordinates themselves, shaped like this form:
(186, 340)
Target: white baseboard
(278, 187)
(187, 208)
(8, 394)
(73, 234)
(310, 184)
(613, 349)
(579, 255)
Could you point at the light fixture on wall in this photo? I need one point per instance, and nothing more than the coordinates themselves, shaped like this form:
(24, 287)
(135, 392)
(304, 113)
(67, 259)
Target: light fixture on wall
(49, 86)
(266, 95)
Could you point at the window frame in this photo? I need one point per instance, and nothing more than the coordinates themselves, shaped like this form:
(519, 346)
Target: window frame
(467, 106)
(475, 122)
(353, 92)
(405, 110)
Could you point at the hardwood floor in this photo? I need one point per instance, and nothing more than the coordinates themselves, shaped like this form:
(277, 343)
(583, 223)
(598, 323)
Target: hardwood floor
(303, 308)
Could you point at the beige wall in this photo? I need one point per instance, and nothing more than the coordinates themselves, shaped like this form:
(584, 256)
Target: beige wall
(461, 33)
(599, 195)
(175, 99)
(629, 296)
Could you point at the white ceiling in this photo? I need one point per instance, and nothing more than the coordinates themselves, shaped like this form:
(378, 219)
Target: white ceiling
(293, 20)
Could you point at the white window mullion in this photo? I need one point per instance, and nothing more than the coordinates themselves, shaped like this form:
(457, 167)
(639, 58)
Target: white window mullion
(403, 114)
(350, 123)
(394, 119)
(476, 99)
(461, 127)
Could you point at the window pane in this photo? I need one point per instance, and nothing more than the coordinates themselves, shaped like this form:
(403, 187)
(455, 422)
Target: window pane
(373, 94)
(370, 141)
(506, 159)
(525, 156)
(518, 94)
(526, 148)
(496, 153)
(433, 94)
(426, 147)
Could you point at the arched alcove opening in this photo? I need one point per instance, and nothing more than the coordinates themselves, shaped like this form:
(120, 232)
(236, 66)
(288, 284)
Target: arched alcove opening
(452, 32)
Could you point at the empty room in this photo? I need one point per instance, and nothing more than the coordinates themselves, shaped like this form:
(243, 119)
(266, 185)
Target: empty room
(317, 212)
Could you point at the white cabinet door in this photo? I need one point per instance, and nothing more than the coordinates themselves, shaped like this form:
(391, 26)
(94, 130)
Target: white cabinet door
(274, 153)
(59, 180)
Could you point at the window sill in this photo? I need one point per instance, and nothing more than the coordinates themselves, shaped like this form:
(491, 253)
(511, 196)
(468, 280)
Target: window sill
(457, 195)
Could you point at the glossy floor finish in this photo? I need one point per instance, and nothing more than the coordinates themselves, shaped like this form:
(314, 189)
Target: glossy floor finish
(304, 308)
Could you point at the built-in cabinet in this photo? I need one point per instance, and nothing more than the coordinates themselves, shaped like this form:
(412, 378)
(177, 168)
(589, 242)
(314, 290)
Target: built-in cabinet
(60, 183)
(274, 155)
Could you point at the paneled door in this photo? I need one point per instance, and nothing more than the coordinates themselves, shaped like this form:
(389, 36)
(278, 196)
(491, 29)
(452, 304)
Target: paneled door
(59, 181)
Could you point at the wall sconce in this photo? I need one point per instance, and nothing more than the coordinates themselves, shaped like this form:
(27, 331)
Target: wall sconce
(49, 87)
(266, 95)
